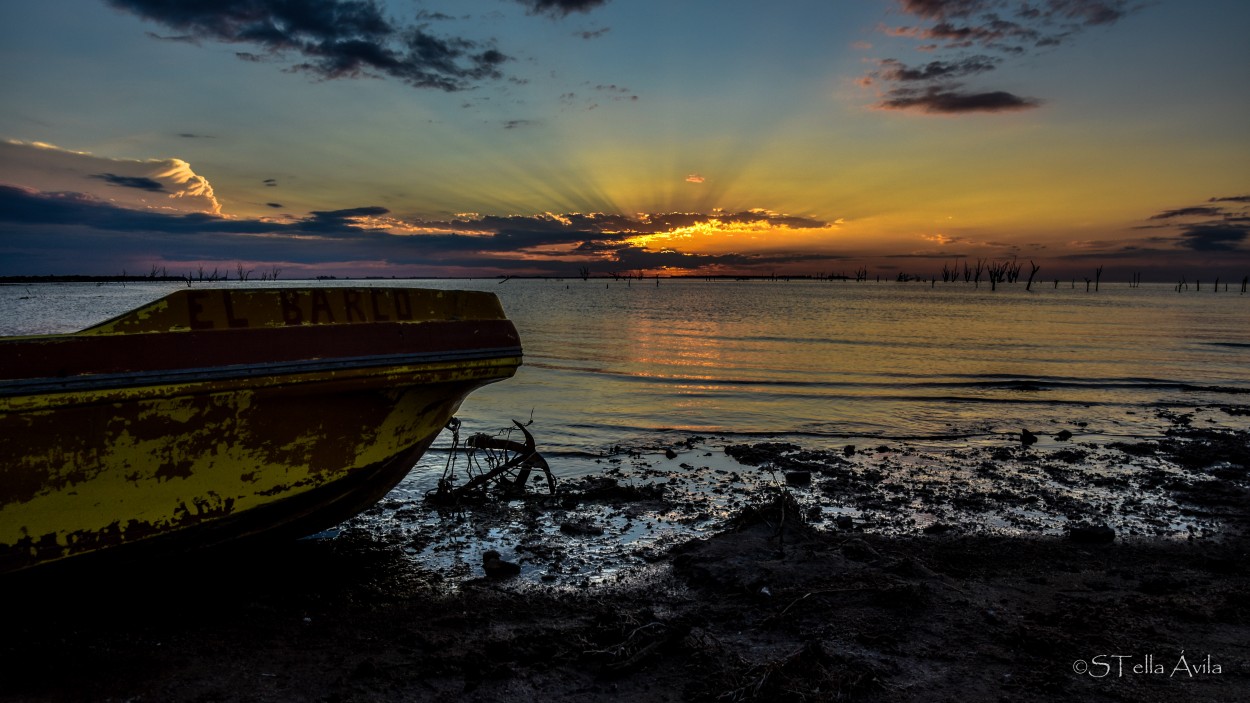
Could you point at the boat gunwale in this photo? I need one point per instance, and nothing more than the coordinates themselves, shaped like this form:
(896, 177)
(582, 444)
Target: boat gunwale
(87, 355)
(11, 388)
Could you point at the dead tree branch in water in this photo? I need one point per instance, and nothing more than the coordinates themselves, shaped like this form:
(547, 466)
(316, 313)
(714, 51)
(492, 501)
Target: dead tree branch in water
(998, 273)
(1013, 270)
(1036, 268)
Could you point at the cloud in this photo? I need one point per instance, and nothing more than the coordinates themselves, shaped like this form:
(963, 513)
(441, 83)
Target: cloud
(139, 182)
(995, 35)
(274, 205)
(695, 178)
(632, 257)
(1205, 228)
(593, 33)
(270, 182)
(45, 225)
(894, 70)
(433, 16)
(944, 240)
(492, 232)
(561, 8)
(997, 30)
(1214, 213)
(191, 185)
(168, 184)
(941, 9)
(616, 92)
(25, 206)
(1064, 16)
(334, 38)
(1087, 12)
(338, 222)
(1188, 212)
(951, 100)
(1214, 237)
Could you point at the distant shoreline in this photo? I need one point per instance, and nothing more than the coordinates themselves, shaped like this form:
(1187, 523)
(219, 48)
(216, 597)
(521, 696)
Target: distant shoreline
(88, 278)
(1228, 285)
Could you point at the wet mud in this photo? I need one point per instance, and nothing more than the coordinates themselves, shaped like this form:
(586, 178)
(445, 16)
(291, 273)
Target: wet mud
(1059, 569)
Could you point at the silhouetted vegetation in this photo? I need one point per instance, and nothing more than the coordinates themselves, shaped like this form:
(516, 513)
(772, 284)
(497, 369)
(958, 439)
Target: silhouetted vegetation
(1036, 268)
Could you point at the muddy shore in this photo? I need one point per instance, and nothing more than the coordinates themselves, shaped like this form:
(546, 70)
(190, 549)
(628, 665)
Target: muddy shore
(832, 578)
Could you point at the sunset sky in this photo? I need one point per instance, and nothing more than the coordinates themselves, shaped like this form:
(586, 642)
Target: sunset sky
(534, 137)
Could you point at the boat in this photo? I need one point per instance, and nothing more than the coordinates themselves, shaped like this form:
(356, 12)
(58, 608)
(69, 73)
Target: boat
(217, 415)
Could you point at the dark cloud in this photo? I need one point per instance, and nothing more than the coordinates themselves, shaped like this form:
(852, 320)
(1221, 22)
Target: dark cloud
(192, 135)
(1205, 228)
(22, 206)
(950, 100)
(336, 38)
(432, 16)
(1214, 237)
(338, 222)
(1215, 214)
(137, 182)
(993, 34)
(47, 225)
(616, 92)
(485, 233)
(986, 17)
(593, 33)
(77, 232)
(274, 205)
(941, 9)
(630, 257)
(517, 124)
(895, 70)
(771, 219)
(271, 182)
(183, 39)
(551, 229)
(1087, 12)
(1201, 211)
(561, 8)
(1004, 28)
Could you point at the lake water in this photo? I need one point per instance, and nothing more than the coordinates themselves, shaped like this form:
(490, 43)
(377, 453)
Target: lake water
(820, 362)
(933, 384)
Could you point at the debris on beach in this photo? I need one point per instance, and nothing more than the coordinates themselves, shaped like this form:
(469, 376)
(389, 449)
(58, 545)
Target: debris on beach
(508, 465)
(1091, 534)
(496, 568)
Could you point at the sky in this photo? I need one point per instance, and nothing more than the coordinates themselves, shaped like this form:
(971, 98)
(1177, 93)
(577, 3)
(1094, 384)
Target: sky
(547, 137)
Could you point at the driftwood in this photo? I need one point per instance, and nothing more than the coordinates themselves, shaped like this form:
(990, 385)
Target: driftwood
(510, 464)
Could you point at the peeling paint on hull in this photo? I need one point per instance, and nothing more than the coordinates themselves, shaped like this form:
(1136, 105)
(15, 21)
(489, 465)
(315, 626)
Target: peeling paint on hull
(188, 423)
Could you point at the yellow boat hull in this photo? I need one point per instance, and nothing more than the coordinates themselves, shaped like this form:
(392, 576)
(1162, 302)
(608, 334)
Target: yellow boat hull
(197, 455)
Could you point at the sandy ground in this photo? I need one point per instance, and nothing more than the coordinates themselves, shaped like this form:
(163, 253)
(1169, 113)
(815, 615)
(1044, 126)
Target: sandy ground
(818, 588)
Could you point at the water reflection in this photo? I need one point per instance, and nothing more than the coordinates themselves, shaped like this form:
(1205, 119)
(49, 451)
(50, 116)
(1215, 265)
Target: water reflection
(616, 363)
